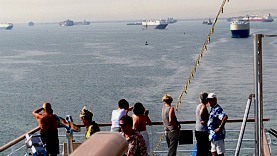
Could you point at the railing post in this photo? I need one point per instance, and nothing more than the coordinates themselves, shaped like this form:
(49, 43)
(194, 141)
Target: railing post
(258, 94)
(243, 125)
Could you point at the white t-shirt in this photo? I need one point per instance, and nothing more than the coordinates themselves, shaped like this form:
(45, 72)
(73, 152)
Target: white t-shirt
(116, 116)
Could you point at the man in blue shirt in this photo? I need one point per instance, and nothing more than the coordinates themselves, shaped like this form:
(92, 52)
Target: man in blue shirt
(217, 120)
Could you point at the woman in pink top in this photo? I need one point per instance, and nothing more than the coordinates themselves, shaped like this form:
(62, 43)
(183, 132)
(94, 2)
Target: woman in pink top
(140, 120)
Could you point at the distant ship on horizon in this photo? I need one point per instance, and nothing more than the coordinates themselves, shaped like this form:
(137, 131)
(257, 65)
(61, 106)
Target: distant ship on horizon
(156, 24)
(66, 23)
(6, 26)
(169, 20)
(253, 18)
(31, 23)
(82, 23)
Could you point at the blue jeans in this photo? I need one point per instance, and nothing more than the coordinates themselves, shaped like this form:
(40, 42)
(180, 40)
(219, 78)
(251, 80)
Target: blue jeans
(172, 138)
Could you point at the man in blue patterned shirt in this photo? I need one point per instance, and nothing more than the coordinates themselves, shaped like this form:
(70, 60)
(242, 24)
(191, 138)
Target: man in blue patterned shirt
(217, 120)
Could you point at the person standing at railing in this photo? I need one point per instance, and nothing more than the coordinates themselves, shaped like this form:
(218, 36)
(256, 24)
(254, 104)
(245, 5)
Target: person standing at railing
(122, 110)
(48, 123)
(201, 129)
(216, 126)
(140, 120)
(171, 125)
(136, 143)
(90, 125)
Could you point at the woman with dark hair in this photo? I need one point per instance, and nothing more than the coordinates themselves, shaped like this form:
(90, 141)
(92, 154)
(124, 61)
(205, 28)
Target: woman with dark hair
(140, 120)
(91, 126)
(201, 128)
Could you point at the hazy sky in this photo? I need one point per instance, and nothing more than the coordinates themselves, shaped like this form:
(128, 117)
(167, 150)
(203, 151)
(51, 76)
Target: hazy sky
(20, 11)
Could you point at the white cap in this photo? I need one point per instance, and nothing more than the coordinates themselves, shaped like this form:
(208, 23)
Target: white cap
(211, 96)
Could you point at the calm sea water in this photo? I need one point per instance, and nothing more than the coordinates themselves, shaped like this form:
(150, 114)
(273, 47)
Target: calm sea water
(99, 64)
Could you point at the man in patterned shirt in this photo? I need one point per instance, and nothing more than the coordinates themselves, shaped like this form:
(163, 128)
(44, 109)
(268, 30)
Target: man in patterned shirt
(136, 143)
(217, 120)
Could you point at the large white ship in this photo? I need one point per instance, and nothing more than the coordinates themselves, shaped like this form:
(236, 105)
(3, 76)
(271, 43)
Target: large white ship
(156, 24)
(253, 18)
(240, 28)
(6, 26)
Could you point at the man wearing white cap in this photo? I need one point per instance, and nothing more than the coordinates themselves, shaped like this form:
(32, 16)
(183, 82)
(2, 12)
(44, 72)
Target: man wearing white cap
(217, 120)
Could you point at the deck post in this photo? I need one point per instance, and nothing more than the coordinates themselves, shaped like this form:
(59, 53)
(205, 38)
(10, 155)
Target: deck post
(258, 94)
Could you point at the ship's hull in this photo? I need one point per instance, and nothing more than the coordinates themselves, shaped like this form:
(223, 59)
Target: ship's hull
(156, 24)
(240, 29)
(8, 26)
(134, 23)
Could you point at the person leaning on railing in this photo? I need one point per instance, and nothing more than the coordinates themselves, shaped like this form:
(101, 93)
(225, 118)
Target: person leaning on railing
(140, 120)
(90, 125)
(48, 123)
(216, 126)
(171, 125)
(201, 129)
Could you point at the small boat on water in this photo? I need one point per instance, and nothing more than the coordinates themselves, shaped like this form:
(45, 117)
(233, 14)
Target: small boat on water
(209, 22)
(240, 28)
(6, 26)
(253, 18)
(31, 23)
(156, 24)
(66, 23)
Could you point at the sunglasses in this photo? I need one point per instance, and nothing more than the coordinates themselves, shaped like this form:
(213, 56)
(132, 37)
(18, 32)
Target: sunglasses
(122, 125)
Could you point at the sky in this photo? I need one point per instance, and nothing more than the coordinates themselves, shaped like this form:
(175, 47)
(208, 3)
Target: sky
(23, 11)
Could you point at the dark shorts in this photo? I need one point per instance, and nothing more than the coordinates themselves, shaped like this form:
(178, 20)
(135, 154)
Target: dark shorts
(52, 142)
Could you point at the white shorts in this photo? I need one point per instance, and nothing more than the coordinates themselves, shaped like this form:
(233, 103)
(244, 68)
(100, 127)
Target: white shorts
(218, 146)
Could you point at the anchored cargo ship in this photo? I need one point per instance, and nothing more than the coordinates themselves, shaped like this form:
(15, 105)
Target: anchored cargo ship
(66, 23)
(6, 26)
(156, 24)
(253, 18)
(240, 28)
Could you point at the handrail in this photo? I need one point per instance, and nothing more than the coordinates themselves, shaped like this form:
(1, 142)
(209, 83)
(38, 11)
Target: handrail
(272, 132)
(15, 141)
(22, 137)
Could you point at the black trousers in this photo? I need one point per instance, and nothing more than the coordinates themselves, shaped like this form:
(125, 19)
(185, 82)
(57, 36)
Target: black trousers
(203, 143)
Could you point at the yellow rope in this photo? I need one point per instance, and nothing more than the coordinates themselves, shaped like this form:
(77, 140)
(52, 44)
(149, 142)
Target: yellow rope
(159, 144)
(197, 63)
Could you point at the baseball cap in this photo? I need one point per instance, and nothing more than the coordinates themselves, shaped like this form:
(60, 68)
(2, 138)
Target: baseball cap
(211, 96)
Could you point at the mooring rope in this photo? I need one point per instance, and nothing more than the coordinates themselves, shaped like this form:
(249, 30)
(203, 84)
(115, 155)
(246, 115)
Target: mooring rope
(193, 71)
(197, 62)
